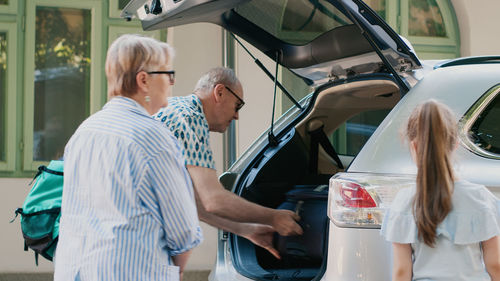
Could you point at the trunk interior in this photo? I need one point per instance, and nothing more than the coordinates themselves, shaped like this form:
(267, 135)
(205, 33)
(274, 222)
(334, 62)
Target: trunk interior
(294, 175)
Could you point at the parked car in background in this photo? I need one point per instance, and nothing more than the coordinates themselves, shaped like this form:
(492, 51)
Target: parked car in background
(366, 81)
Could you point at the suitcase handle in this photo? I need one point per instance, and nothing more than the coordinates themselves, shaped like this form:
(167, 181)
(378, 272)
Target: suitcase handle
(298, 208)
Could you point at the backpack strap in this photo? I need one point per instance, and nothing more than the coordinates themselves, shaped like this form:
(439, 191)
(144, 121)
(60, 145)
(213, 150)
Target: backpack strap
(44, 168)
(17, 212)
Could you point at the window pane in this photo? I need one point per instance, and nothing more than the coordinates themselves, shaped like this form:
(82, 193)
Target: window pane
(485, 133)
(296, 86)
(122, 4)
(3, 92)
(425, 19)
(62, 81)
(295, 22)
(378, 6)
(4, 2)
(353, 134)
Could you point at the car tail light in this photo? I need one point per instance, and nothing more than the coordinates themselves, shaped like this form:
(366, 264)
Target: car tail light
(360, 199)
(353, 195)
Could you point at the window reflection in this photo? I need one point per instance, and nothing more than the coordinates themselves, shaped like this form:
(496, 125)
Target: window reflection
(122, 4)
(62, 68)
(378, 6)
(425, 19)
(350, 137)
(295, 22)
(3, 90)
(485, 133)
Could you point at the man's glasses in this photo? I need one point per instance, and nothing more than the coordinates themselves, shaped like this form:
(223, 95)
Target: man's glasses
(171, 74)
(241, 104)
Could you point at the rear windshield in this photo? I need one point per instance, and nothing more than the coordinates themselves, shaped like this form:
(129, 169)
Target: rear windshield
(294, 22)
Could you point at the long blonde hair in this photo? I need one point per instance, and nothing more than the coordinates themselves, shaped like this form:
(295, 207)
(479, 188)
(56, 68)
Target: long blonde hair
(433, 130)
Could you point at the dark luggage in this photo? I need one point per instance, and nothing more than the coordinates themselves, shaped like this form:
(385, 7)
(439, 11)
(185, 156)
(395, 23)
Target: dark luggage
(306, 250)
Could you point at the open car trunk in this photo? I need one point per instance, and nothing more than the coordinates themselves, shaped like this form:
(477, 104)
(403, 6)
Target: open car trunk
(360, 68)
(288, 173)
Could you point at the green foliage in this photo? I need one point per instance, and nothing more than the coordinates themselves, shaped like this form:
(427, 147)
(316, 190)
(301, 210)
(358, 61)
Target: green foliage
(60, 42)
(3, 51)
(431, 24)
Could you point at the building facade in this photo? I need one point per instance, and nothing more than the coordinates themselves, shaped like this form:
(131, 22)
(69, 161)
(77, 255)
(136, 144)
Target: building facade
(52, 55)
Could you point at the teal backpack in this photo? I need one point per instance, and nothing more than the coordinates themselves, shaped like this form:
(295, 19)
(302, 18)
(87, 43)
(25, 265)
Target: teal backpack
(41, 211)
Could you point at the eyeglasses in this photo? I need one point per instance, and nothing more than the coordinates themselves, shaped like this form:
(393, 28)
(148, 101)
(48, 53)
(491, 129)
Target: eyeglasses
(241, 104)
(171, 74)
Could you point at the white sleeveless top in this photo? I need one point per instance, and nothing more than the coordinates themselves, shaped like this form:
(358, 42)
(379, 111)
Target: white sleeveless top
(457, 254)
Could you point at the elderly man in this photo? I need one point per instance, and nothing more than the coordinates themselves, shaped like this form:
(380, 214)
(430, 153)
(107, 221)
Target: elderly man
(217, 97)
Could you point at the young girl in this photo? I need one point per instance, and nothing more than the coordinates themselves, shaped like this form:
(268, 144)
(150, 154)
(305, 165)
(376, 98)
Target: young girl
(444, 228)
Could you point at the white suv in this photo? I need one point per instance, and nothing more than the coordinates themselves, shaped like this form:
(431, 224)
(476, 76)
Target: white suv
(344, 134)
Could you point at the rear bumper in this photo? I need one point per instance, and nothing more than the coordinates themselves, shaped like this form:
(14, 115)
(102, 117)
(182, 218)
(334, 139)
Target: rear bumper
(357, 254)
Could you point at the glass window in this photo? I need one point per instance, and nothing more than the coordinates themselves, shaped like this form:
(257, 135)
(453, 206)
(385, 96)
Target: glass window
(485, 133)
(122, 4)
(295, 86)
(378, 6)
(425, 19)
(350, 137)
(3, 93)
(295, 22)
(4, 2)
(62, 78)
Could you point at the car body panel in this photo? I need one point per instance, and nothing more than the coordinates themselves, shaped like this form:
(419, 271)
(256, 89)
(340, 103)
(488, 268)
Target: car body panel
(352, 251)
(360, 254)
(460, 92)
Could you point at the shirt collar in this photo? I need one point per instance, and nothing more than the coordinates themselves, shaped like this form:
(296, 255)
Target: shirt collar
(196, 104)
(128, 103)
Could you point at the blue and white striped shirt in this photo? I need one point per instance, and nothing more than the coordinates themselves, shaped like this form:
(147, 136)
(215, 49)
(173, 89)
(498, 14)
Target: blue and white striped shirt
(128, 202)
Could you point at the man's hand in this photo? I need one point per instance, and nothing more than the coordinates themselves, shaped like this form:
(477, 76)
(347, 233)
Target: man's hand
(285, 223)
(222, 203)
(261, 235)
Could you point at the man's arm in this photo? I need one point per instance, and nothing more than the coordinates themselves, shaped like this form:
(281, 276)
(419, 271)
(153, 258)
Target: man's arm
(220, 202)
(259, 234)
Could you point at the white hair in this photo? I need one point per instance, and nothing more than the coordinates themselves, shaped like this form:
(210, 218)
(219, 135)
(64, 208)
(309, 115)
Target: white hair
(218, 75)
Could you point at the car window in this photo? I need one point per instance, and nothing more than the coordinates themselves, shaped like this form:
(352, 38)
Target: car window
(295, 22)
(485, 132)
(351, 136)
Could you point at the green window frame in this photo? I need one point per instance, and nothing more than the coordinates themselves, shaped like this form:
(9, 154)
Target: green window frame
(95, 67)
(10, 29)
(10, 8)
(397, 16)
(115, 8)
(17, 25)
(434, 47)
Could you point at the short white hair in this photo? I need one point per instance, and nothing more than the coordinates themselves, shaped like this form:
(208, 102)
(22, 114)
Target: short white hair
(128, 55)
(217, 75)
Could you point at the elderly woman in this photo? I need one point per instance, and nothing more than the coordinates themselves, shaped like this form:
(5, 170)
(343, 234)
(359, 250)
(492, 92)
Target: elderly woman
(128, 210)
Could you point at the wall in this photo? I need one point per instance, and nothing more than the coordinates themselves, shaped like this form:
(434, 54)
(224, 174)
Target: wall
(198, 48)
(478, 21)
